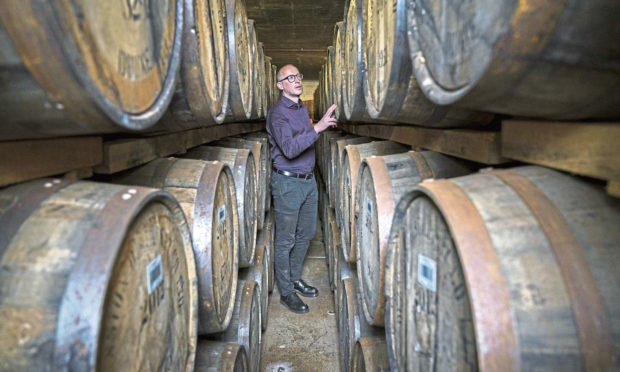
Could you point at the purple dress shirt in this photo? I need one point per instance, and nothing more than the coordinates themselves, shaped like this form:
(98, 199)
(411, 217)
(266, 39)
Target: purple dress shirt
(291, 136)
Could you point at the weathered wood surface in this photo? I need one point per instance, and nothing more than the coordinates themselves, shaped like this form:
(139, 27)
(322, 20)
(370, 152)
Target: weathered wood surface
(241, 162)
(220, 356)
(206, 192)
(258, 72)
(88, 69)
(351, 322)
(201, 98)
(245, 326)
(554, 60)
(524, 276)
(351, 160)
(122, 154)
(370, 355)
(391, 90)
(259, 273)
(261, 167)
(479, 146)
(104, 269)
(241, 74)
(26, 160)
(266, 166)
(383, 180)
(589, 149)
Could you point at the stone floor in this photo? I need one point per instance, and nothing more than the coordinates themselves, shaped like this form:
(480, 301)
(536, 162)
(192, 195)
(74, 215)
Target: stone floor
(303, 342)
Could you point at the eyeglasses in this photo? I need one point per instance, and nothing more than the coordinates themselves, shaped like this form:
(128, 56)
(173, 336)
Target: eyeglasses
(291, 78)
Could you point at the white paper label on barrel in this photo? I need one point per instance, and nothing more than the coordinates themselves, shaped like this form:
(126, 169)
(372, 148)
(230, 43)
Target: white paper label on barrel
(154, 274)
(221, 214)
(427, 272)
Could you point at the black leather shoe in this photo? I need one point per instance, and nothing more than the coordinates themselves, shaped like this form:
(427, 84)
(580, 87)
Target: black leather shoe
(294, 303)
(305, 289)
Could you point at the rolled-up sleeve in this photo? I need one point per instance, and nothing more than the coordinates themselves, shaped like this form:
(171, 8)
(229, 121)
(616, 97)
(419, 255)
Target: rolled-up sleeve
(290, 145)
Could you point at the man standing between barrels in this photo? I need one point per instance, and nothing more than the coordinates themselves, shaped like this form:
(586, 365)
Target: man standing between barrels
(295, 195)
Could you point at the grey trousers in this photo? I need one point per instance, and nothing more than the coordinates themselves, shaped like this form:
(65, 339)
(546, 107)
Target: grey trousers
(295, 204)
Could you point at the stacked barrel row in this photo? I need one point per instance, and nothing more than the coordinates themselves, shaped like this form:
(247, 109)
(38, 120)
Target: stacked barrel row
(438, 266)
(160, 265)
(440, 64)
(100, 68)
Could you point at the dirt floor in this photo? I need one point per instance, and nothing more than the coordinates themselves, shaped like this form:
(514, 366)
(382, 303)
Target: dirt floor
(303, 342)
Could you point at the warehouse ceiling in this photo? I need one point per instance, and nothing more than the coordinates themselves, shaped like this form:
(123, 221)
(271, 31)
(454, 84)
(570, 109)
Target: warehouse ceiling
(296, 31)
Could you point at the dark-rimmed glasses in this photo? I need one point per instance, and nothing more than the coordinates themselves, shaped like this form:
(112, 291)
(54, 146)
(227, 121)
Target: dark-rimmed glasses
(291, 78)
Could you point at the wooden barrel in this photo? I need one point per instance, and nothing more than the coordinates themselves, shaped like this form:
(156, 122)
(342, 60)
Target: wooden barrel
(525, 264)
(370, 355)
(259, 273)
(334, 162)
(269, 84)
(325, 160)
(390, 88)
(351, 322)
(344, 270)
(95, 276)
(241, 162)
(241, 77)
(556, 60)
(329, 77)
(245, 326)
(351, 160)
(263, 76)
(353, 104)
(206, 192)
(205, 75)
(95, 68)
(269, 243)
(220, 356)
(263, 138)
(328, 238)
(383, 180)
(275, 91)
(261, 166)
(339, 145)
(257, 76)
(338, 77)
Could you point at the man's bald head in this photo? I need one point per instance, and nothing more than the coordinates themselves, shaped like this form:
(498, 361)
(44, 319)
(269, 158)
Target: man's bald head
(286, 70)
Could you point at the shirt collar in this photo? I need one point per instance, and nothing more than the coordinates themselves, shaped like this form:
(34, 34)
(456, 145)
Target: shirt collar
(290, 104)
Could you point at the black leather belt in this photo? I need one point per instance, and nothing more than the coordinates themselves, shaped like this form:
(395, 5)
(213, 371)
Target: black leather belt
(295, 175)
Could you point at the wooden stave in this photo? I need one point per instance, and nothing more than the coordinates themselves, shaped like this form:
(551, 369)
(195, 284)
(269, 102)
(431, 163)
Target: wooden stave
(352, 157)
(334, 166)
(565, 195)
(259, 273)
(370, 355)
(261, 166)
(220, 356)
(329, 247)
(84, 275)
(179, 177)
(241, 74)
(241, 163)
(533, 42)
(352, 323)
(75, 99)
(407, 103)
(245, 328)
(396, 175)
(269, 86)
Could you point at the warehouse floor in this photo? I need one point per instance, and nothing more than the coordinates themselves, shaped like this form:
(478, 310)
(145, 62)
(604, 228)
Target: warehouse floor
(303, 342)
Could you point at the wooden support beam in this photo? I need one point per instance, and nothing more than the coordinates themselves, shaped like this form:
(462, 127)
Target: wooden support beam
(25, 160)
(122, 154)
(589, 149)
(480, 146)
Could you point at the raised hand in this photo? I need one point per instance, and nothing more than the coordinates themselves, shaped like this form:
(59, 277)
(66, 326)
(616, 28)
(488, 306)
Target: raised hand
(328, 120)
